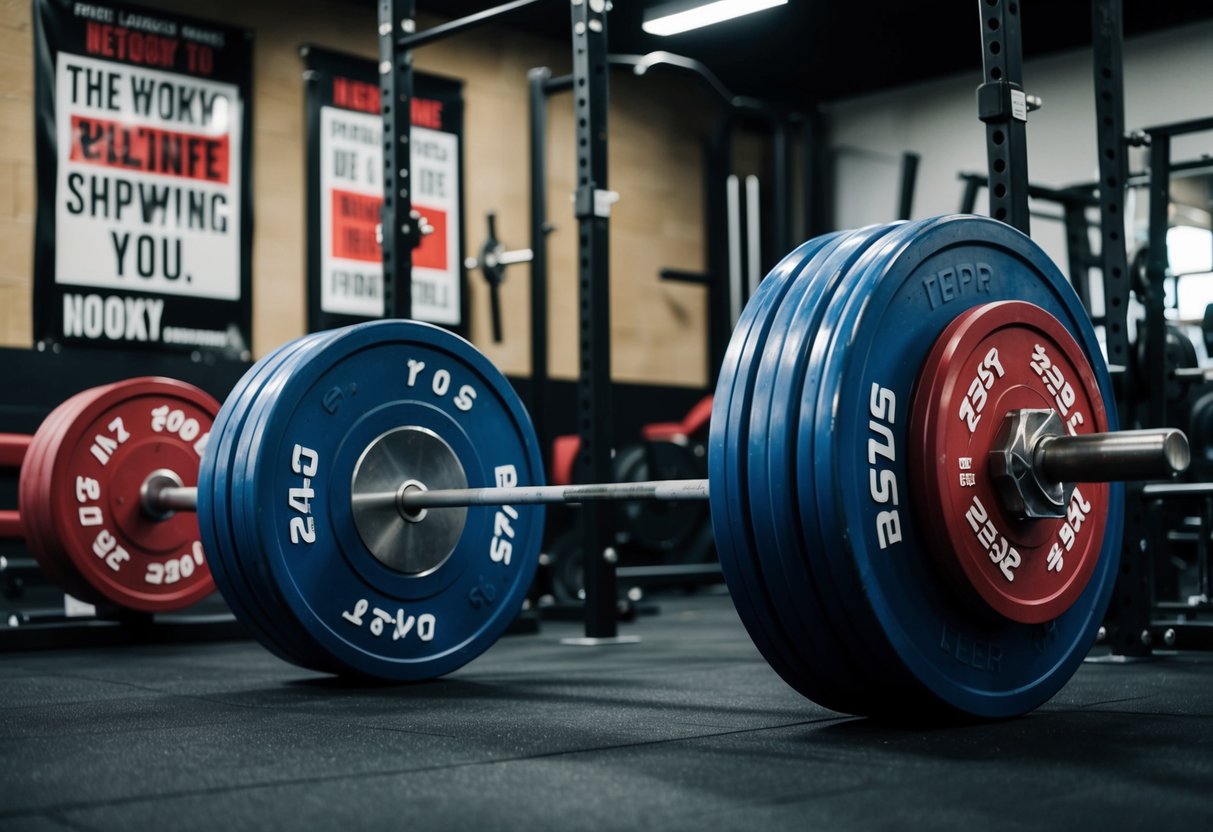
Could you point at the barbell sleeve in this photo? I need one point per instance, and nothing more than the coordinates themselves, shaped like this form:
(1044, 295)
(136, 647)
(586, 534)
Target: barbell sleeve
(178, 498)
(1112, 457)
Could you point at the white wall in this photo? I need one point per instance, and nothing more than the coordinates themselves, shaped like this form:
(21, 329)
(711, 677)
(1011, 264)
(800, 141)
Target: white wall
(1168, 77)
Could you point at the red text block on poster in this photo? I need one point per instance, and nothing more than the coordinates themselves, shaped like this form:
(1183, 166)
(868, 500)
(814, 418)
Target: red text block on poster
(355, 217)
(150, 150)
(431, 254)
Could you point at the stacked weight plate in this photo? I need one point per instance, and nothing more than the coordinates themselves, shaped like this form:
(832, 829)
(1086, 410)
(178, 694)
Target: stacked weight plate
(824, 547)
(277, 502)
(81, 501)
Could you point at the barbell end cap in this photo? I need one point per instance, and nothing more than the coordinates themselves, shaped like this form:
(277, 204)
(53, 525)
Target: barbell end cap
(1177, 451)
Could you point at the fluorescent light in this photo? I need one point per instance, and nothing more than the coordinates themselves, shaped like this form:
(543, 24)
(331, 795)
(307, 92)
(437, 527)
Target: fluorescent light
(673, 22)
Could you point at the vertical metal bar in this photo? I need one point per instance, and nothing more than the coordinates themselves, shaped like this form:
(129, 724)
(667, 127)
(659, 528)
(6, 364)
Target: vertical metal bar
(753, 223)
(1107, 30)
(718, 160)
(1132, 602)
(1131, 609)
(780, 185)
(812, 182)
(733, 203)
(539, 253)
(1078, 250)
(594, 274)
(396, 95)
(1156, 368)
(1002, 105)
(909, 180)
(968, 198)
(1204, 583)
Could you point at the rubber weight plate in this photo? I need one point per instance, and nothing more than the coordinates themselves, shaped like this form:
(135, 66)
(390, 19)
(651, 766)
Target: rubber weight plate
(795, 576)
(991, 360)
(908, 289)
(214, 513)
(34, 497)
(264, 594)
(105, 453)
(402, 399)
(792, 608)
(727, 472)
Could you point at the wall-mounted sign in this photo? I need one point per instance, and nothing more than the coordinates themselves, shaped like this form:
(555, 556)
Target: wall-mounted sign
(144, 196)
(345, 193)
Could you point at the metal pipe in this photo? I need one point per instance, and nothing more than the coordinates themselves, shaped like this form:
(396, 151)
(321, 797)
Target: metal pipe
(1112, 457)
(753, 225)
(462, 24)
(10, 525)
(175, 498)
(413, 500)
(909, 176)
(13, 447)
(539, 80)
(1097, 457)
(733, 202)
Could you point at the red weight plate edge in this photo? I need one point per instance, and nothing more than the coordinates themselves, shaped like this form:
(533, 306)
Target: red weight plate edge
(933, 386)
(56, 503)
(34, 497)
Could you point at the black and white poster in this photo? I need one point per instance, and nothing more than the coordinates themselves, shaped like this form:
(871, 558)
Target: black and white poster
(345, 193)
(144, 195)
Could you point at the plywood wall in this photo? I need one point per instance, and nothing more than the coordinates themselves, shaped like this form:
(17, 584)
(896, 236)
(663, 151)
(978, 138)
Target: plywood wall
(656, 123)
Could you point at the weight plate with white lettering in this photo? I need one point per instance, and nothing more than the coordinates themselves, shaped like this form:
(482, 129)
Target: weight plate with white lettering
(214, 506)
(991, 360)
(422, 402)
(259, 584)
(906, 292)
(105, 453)
(792, 578)
(727, 471)
(34, 489)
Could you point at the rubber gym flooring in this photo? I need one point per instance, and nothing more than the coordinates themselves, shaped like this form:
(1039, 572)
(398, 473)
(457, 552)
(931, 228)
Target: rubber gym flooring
(687, 730)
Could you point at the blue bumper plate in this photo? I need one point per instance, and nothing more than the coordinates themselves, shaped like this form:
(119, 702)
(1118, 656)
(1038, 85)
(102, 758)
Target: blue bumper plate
(906, 290)
(727, 472)
(804, 598)
(291, 493)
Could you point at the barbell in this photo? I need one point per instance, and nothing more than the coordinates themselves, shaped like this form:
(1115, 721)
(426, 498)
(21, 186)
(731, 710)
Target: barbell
(910, 444)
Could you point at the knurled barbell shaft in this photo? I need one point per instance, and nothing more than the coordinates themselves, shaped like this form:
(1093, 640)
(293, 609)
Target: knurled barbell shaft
(414, 500)
(172, 498)
(1113, 457)
(1097, 457)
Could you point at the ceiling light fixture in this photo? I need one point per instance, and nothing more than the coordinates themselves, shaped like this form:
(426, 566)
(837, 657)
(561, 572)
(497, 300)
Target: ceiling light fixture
(675, 18)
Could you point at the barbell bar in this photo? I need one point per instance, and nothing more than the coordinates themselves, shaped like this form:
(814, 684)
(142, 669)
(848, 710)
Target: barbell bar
(883, 393)
(1106, 457)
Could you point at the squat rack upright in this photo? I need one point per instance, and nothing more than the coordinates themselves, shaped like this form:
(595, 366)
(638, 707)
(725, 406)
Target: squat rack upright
(402, 232)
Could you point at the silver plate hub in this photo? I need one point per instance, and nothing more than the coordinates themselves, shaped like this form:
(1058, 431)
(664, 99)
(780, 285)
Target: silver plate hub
(411, 457)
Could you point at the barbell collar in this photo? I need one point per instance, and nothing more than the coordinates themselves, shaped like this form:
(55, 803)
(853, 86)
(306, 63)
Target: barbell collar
(1113, 457)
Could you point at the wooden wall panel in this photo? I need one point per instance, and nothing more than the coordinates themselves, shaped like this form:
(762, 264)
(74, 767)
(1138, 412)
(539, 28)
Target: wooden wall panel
(656, 123)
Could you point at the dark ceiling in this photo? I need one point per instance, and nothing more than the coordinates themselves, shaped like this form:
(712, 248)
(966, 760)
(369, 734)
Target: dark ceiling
(818, 50)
